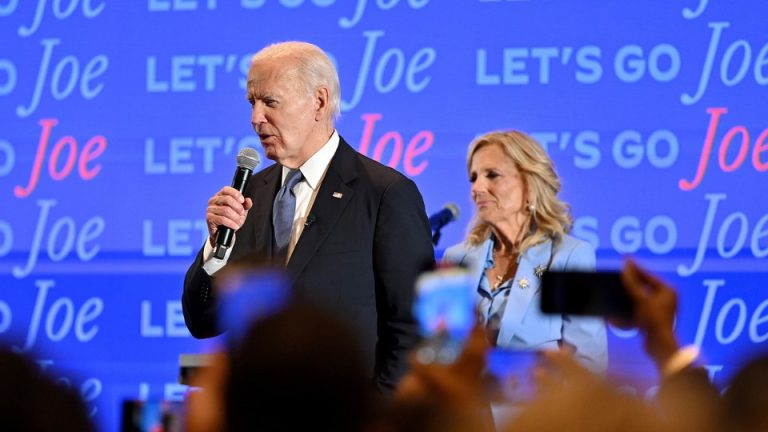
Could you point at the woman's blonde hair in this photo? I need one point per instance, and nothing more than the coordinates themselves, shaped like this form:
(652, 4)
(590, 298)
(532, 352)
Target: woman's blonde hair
(550, 217)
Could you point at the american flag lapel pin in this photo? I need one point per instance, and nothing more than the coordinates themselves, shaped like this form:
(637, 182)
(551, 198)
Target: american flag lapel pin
(337, 195)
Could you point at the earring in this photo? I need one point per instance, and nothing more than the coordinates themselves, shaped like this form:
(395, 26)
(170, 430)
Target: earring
(531, 208)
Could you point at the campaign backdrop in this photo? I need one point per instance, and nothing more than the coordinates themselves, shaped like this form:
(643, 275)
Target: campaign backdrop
(119, 119)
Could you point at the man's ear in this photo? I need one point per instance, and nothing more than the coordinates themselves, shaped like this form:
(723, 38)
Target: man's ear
(321, 100)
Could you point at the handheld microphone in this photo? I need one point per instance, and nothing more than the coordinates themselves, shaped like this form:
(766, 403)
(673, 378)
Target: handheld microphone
(247, 161)
(437, 221)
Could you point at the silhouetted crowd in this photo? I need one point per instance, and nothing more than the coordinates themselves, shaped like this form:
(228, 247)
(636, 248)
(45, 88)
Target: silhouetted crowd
(280, 376)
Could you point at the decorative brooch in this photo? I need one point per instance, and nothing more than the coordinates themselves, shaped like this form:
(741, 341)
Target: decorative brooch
(523, 282)
(539, 271)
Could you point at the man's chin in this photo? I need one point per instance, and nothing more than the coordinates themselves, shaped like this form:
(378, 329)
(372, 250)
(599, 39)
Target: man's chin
(269, 151)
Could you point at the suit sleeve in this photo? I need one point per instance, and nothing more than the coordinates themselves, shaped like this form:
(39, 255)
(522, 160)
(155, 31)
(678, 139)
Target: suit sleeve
(402, 250)
(587, 335)
(198, 301)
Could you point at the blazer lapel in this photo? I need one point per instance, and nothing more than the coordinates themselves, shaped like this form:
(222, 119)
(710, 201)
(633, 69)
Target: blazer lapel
(331, 200)
(520, 297)
(475, 262)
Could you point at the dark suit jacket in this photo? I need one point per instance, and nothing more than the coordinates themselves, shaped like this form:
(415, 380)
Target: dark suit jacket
(359, 258)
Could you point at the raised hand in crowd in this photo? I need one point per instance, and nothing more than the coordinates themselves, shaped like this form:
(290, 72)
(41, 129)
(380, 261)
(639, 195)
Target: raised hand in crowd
(655, 309)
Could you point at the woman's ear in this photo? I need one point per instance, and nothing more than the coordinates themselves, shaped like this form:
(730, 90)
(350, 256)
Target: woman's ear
(529, 198)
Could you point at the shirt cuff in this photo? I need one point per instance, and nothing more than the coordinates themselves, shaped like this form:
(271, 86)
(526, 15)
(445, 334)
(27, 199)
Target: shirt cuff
(210, 264)
(680, 360)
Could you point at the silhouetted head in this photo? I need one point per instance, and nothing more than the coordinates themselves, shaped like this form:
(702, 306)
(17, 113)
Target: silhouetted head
(298, 369)
(746, 399)
(32, 401)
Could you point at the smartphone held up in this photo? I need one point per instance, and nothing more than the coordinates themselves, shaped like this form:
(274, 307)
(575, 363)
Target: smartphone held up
(444, 308)
(586, 293)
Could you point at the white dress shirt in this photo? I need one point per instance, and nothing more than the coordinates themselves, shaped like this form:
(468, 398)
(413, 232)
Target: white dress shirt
(313, 170)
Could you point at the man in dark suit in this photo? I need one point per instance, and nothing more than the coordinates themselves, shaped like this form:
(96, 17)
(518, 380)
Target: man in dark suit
(357, 234)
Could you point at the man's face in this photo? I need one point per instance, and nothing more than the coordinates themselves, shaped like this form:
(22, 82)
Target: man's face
(283, 113)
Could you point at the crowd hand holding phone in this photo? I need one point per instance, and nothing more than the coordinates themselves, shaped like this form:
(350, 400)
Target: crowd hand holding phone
(685, 396)
(453, 331)
(458, 385)
(655, 309)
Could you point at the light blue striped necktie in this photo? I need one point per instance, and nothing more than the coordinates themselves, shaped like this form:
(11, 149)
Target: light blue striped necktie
(283, 210)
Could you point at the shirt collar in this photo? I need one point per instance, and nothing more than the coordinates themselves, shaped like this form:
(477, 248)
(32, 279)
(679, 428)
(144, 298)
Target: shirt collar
(314, 168)
(489, 253)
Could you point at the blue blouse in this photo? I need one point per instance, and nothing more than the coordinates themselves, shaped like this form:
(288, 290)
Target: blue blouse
(492, 303)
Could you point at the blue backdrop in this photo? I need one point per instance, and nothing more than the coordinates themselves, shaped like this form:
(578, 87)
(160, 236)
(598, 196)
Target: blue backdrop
(119, 119)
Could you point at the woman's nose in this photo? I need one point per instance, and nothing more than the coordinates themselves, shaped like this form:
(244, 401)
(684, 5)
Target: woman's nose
(478, 187)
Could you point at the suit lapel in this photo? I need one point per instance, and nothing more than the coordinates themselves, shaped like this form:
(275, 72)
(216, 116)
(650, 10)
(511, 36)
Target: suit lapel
(520, 298)
(264, 192)
(331, 200)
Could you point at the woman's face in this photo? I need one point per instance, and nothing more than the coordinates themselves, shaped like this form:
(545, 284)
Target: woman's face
(498, 188)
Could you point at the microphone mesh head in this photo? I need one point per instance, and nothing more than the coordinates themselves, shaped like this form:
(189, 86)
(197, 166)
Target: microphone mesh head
(248, 158)
(454, 209)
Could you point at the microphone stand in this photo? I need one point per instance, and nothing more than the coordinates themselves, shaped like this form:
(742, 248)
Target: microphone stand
(436, 237)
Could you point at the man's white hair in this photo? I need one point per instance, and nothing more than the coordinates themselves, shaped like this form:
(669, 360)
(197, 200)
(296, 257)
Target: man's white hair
(313, 68)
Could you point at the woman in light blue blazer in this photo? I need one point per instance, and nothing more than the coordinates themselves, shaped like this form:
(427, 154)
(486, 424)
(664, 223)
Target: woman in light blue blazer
(520, 232)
